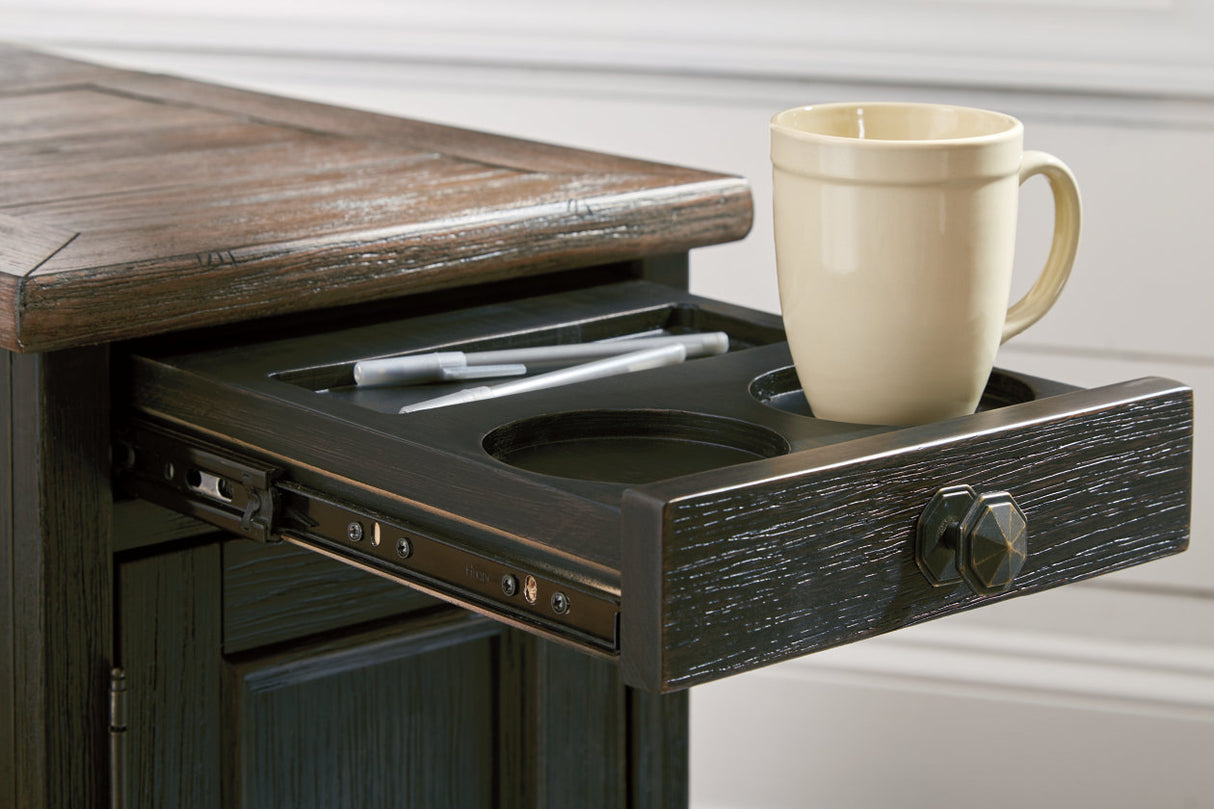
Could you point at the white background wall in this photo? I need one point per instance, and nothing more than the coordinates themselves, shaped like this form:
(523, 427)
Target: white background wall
(1098, 694)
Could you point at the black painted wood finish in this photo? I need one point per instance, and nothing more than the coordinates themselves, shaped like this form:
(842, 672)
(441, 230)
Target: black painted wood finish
(736, 569)
(659, 776)
(170, 631)
(277, 593)
(802, 540)
(55, 579)
(402, 715)
(434, 707)
(8, 752)
(553, 696)
(141, 524)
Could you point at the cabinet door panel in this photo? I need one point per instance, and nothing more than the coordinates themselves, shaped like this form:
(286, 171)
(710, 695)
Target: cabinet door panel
(393, 717)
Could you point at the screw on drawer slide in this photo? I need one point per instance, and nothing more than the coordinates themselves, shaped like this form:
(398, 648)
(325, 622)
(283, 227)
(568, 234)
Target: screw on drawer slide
(442, 567)
(187, 475)
(259, 501)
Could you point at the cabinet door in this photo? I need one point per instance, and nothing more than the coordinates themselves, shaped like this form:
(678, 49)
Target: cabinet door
(433, 707)
(403, 715)
(399, 714)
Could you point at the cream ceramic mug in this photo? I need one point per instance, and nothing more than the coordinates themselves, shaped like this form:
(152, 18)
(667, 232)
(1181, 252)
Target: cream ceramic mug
(895, 226)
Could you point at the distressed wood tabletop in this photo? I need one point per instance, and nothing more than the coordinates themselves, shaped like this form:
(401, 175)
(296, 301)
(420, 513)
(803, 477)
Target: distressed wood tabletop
(133, 204)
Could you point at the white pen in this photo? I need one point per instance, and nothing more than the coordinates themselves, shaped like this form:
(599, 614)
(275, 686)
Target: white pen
(415, 369)
(435, 366)
(611, 366)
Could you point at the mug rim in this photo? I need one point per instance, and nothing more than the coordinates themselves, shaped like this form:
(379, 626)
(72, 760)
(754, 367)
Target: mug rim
(1012, 128)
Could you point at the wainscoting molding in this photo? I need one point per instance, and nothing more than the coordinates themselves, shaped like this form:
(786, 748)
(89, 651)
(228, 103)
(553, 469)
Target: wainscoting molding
(1030, 667)
(957, 713)
(1105, 46)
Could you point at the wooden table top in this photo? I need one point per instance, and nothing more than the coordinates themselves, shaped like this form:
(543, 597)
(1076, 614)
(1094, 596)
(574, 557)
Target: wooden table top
(133, 204)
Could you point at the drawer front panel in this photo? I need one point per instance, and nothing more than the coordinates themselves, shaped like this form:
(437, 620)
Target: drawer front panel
(822, 550)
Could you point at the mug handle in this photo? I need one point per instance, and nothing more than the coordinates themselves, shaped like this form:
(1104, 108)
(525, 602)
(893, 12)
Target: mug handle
(1067, 215)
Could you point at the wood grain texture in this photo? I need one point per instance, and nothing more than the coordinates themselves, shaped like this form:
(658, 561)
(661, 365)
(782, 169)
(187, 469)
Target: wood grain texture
(581, 762)
(658, 747)
(10, 291)
(73, 112)
(276, 593)
(399, 716)
(722, 575)
(565, 725)
(8, 693)
(170, 622)
(61, 576)
(25, 245)
(192, 205)
(465, 144)
(515, 730)
(141, 524)
(27, 71)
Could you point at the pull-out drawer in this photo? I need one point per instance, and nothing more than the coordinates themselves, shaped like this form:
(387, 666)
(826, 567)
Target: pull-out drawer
(694, 521)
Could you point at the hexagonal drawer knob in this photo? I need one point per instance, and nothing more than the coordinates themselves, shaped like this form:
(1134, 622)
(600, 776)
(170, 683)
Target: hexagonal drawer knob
(979, 539)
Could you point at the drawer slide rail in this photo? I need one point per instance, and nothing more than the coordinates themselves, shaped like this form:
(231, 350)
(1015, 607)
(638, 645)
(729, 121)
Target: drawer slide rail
(190, 477)
(258, 501)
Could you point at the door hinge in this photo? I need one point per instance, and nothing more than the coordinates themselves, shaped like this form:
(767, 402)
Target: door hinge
(118, 719)
(188, 475)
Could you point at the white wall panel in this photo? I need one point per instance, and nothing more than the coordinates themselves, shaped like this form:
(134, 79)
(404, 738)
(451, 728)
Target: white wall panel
(916, 723)
(1160, 46)
(1193, 569)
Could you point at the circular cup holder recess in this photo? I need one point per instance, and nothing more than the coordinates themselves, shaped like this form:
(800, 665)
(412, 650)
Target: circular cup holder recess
(630, 446)
(781, 390)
